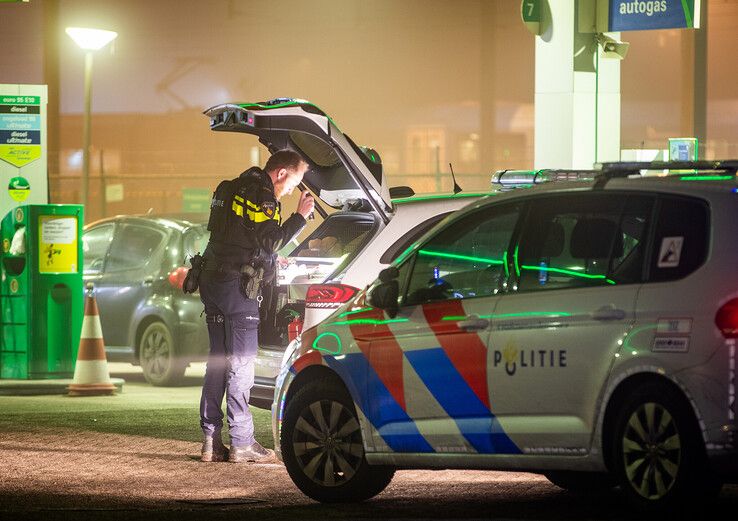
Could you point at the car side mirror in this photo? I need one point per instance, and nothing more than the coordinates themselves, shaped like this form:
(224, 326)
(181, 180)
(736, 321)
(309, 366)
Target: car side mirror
(384, 296)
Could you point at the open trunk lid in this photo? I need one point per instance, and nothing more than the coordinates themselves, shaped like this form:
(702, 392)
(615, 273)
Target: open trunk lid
(341, 174)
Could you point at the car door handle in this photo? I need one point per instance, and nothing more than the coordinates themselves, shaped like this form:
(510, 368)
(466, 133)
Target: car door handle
(473, 323)
(148, 281)
(608, 313)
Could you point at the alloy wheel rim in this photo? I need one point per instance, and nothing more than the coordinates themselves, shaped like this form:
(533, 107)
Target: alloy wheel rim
(652, 451)
(156, 352)
(327, 443)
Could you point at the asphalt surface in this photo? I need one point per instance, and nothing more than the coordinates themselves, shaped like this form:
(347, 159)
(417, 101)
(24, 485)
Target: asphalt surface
(75, 473)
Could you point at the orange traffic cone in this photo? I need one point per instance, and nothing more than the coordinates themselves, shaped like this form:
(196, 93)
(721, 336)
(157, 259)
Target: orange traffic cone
(91, 375)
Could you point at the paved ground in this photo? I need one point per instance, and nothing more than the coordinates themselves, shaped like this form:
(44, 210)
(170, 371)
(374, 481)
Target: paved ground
(99, 467)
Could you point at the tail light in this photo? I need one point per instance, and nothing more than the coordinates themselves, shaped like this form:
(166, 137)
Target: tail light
(726, 319)
(328, 296)
(176, 277)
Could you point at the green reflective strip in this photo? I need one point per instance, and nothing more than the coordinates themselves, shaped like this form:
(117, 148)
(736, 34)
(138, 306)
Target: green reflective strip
(635, 331)
(515, 261)
(462, 195)
(328, 351)
(459, 257)
(546, 314)
(347, 313)
(568, 272)
(405, 253)
(706, 177)
(504, 264)
(369, 321)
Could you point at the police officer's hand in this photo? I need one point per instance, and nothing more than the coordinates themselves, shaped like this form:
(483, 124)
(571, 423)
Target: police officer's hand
(306, 204)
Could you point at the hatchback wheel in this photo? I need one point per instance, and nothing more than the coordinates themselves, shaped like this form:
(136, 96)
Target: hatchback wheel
(322, 446)
(658, 451)
(157, 356)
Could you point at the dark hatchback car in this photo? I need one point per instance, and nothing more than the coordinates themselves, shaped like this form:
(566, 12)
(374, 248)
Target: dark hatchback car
(137, 265)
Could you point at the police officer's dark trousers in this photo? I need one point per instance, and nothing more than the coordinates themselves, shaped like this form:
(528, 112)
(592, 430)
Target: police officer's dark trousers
(233, 322)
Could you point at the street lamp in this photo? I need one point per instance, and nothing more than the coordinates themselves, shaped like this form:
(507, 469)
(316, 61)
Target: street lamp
(89, 40)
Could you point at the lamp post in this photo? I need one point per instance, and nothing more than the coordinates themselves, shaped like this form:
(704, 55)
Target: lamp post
(89, 40)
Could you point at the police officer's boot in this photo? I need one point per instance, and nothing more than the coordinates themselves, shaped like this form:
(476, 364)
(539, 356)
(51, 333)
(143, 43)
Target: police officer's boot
(254, 453)
(213, 449)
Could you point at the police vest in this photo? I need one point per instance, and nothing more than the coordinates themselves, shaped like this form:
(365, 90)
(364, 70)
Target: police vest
(239, 205)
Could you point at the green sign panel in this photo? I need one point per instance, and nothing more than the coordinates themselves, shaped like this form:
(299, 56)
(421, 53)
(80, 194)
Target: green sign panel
(20, 129)
(530, 12)
(23, 160)
(196, 200)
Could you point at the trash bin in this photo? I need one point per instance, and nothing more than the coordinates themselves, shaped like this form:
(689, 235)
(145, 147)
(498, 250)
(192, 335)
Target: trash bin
(41, 296)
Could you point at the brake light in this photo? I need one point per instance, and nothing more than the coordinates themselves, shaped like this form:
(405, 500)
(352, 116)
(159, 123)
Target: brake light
(327, 296)
(726, 319)
(176, 278)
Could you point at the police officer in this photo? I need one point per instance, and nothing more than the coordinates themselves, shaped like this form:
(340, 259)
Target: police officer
(246, 231)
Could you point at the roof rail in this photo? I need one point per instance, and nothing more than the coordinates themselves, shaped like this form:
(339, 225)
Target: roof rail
(523, 178)
(619, 169)
(626, 168)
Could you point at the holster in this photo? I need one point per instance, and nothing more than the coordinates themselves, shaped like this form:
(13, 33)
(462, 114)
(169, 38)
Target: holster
(192, 280)
(251, 280)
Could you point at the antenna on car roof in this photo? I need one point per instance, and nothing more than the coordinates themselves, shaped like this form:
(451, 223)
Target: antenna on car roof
(457, 188)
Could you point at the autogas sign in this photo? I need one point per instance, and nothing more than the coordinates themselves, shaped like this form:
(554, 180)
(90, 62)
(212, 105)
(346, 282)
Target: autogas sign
(638, 15)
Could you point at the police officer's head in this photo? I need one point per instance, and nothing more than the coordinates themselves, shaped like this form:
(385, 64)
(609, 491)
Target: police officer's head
(286, 169)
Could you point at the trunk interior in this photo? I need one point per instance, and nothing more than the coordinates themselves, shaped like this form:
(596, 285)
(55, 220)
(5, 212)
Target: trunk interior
(322, 256)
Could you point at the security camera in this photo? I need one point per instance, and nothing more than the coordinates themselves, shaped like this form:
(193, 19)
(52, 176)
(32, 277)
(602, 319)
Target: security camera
(612, 48)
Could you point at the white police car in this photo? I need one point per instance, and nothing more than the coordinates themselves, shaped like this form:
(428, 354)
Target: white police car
(584, 330)
(368, 227)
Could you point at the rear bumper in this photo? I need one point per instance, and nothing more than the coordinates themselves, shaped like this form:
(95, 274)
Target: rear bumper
(262, 393)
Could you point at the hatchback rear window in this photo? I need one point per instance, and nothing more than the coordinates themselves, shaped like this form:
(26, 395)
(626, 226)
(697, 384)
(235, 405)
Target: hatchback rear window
(195, 240)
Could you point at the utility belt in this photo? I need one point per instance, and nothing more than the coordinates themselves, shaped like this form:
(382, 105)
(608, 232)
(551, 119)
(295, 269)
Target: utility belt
(221, 267)
(252, 276)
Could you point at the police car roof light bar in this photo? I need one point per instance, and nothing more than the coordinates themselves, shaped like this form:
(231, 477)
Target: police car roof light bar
(519, 178)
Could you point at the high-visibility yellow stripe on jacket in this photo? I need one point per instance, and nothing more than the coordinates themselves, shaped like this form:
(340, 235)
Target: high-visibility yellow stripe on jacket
(236, 207)
(253, 211)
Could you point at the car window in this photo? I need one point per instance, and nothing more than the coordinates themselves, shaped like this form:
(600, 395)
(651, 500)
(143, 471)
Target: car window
(467, 259)
(573, 241)
(133, 247)
(681, 238)
(95, 245)
(404, 242)
(195, 240)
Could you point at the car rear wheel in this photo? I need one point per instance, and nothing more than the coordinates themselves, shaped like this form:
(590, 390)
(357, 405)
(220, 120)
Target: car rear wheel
(322, 446)
(157, 356)
(658, 451)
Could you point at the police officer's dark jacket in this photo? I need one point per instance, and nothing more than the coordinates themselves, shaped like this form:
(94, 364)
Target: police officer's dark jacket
(245, 221)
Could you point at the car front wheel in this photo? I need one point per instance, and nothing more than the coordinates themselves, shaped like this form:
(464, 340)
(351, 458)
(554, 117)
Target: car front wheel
(158, 359)
(322, 446)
